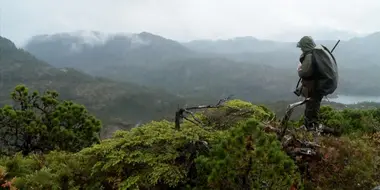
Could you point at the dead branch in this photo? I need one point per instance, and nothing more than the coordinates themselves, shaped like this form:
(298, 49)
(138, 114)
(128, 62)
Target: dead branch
(288, 113)
(180, 113)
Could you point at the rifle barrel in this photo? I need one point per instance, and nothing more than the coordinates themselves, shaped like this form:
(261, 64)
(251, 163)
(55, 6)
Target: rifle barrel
(335, 46)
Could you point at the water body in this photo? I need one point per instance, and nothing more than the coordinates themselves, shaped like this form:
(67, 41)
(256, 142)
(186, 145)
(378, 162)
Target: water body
(348, 99)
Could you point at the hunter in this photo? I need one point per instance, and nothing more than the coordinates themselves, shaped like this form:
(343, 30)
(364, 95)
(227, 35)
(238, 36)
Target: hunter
(307, 73)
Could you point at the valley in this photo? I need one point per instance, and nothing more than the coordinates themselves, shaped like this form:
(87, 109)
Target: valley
(129, 79)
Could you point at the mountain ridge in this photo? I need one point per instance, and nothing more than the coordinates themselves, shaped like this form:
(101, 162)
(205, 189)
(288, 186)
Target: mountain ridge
(103, 37)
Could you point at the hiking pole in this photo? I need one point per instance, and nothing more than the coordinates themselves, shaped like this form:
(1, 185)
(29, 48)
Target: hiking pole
(298, 91)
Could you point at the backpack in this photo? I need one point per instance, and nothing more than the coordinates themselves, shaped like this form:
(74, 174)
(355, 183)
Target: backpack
(325, 70)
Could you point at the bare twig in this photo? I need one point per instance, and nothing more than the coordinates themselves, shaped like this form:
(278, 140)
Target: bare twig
(193, 116)
(180, 113)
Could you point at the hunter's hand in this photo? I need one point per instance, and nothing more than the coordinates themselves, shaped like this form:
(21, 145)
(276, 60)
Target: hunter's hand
(299, 67)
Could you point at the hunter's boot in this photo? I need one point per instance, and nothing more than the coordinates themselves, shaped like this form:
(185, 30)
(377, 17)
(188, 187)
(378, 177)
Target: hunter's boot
(311, 126)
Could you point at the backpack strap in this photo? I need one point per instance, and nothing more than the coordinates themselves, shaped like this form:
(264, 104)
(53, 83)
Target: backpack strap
(316, 72)
(314, 67)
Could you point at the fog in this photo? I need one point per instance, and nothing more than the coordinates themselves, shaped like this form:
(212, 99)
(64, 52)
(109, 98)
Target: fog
(185, 20)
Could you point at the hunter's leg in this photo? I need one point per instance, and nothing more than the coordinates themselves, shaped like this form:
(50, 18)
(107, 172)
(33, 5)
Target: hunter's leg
(311, 112)
(307, 114)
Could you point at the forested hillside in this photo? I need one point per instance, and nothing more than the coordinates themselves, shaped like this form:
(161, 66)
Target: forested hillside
(231, 145)
(120, 104)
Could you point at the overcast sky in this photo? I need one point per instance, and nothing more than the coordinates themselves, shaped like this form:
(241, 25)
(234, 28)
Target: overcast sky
(185, 20)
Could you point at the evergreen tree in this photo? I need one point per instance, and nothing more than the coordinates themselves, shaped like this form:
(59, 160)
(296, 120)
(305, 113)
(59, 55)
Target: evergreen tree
(41, 123)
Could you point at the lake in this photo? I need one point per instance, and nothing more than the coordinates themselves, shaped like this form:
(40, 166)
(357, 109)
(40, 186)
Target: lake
(348, 99)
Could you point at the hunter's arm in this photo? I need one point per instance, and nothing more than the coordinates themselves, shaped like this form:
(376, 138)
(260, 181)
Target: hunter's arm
(306, 67)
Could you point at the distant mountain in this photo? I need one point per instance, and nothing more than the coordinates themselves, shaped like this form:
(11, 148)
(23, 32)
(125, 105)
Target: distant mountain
(249, 49)
(361, 51)
(253, 50)
(246, 45)
(111, 101)
(238, 45)
(358, 58)
(251, 69)
(91, 51)
(162, 63)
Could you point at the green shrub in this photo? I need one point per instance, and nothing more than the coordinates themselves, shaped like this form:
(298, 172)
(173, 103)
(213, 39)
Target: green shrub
(348, 163)
(231, 152)
(247, 158)
(43, 123)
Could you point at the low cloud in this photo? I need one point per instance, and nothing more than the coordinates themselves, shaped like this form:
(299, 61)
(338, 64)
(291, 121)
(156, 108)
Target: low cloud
(186, 20)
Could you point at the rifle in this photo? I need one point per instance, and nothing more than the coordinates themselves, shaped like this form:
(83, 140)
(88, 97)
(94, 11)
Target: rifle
(298, 90)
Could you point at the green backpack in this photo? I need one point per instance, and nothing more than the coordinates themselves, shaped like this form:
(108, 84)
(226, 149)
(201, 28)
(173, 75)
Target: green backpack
(325, 70)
